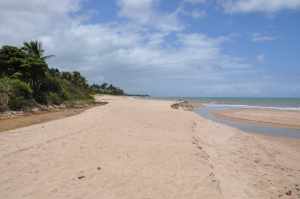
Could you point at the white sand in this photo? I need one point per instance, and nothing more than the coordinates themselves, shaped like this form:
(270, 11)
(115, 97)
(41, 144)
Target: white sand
(142, 149)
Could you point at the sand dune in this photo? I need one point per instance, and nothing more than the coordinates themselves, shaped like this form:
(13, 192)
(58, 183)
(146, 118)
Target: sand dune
(134, 148)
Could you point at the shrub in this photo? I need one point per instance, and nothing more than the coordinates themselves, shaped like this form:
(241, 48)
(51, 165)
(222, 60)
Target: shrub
(15, 94)
(54, 98)
(50, 91)
(20, 88)
(4, 88)
(3, 101)
(20, 103)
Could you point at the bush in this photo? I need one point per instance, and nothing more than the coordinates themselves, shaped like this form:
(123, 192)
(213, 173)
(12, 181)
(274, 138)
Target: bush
(54, 98)
(50, 91)
(26, 79)
(4, 94)
(20, 88)
(3, 101)
(71, 92)
(20, 103)
(15, 94)
(57, 90)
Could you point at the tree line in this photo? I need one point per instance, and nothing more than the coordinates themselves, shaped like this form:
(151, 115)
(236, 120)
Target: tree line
(106, 88)
(26, 80)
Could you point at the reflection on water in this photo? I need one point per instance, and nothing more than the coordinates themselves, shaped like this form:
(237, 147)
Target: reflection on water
(247, 126)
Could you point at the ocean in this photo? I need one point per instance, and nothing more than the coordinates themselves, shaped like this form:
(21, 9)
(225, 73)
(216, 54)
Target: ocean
(231, 102)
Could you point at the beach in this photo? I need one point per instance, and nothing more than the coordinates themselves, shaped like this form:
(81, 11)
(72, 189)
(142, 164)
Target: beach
(135, 148)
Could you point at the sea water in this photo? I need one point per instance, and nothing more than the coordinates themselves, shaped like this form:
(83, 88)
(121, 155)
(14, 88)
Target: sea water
(219, 104)
(250, 127)
(225, 103)
(232, 102)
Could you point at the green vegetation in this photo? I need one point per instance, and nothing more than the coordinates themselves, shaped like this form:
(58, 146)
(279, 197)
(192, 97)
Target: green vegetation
(107, 89)
(15, 94)
(27, 81)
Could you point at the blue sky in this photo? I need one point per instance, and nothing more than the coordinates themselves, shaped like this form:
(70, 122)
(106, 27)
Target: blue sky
(167, 47)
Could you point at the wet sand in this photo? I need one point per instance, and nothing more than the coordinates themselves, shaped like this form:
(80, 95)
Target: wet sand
(27, 119)
(134, 148)
(277, 118)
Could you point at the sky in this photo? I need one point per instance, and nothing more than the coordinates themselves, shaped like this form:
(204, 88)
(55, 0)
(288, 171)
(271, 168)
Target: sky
(237, 48)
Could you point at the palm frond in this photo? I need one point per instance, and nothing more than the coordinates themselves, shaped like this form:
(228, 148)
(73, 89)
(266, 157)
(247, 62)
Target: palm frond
(48, 56)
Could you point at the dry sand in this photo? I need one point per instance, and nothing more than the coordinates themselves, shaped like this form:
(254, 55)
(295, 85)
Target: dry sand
(281, 118)
(134, 148)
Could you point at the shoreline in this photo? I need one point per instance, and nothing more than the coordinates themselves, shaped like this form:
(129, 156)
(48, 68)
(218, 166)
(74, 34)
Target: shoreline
(186, 105)
(274, 118)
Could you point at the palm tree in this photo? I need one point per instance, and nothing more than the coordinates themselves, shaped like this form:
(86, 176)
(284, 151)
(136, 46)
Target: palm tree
(103, 86)
(35, 49)
(78, 79)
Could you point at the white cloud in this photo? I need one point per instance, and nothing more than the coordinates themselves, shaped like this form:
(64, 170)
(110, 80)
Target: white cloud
(145, 12)
(24, 20)
(195, 13)
(140, 10)
(268, 6)
(258, 37)
(40, 6)
(130, 54)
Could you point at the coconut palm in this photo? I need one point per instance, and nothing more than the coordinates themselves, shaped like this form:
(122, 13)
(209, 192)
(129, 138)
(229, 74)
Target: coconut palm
(35, 49)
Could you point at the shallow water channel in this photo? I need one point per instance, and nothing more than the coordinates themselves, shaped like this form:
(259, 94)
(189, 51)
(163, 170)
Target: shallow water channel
(250, 127)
